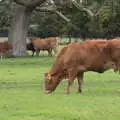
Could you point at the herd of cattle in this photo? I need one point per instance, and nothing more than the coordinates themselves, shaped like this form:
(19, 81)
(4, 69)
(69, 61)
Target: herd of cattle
(74, 59)
(77, 58)
(34, 44)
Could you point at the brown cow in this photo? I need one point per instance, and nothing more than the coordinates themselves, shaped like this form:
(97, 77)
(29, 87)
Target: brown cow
(114, 50)
(48, 44)
(74, 60)
(5, 46)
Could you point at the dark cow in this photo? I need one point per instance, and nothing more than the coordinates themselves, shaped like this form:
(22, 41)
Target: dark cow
(31, 47)
(5, 47)
(74, 60)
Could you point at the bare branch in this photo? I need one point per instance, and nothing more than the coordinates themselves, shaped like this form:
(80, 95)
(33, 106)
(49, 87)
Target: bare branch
(52, 9)
(46, 8)
(30, 3)
(81, 7)
(62, 16)
(50, 1)
(49, 8)
(20, 2)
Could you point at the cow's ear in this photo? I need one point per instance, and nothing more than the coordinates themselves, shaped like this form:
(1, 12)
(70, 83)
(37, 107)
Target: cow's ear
(48, 76)
(45, 74)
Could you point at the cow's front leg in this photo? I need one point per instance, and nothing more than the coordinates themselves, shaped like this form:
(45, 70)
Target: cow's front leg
(68, 90)
(72, 76)
(33, 51)
(37, 52)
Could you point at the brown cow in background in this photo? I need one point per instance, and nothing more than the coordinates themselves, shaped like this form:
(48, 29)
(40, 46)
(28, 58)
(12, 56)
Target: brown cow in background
(50, 44)
(75, 59)
(5, 47)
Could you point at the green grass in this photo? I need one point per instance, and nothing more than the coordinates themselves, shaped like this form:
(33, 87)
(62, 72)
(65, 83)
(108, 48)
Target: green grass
(22, 96)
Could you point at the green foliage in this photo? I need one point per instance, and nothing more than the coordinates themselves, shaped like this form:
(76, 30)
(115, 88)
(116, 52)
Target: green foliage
(109, 18)
(6, 12)
(105, 23)
(48, 26)
(52, 25)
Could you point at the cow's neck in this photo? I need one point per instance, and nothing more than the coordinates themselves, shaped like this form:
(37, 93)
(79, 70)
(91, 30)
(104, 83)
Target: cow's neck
(57, 68)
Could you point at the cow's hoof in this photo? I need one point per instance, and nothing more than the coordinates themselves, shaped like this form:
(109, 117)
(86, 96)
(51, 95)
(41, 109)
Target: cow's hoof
(67, 92)
(79, 91)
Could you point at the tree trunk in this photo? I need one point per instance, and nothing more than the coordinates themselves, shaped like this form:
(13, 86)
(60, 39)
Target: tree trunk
(70, 37)
(19, 29)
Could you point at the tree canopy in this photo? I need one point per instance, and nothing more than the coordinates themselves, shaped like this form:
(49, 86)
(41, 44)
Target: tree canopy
(105, 15)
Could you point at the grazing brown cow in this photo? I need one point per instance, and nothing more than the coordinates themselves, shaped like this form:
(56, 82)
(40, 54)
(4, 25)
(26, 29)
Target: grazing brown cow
(48, 44)
(5, 46)
(113, 49)
(74, 60)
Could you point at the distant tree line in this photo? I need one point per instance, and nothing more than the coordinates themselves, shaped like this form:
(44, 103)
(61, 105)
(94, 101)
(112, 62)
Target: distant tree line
(70, 18)
(106, 23)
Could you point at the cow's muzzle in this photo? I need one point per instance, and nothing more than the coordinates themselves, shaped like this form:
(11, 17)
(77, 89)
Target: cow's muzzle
(47, 92)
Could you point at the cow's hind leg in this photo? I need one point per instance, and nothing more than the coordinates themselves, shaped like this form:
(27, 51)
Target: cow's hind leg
(80, 81)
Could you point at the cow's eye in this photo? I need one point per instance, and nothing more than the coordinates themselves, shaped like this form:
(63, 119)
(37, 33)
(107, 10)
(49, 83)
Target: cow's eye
(104, 61)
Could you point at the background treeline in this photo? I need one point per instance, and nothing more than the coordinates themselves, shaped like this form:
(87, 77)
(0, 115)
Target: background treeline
(104, 24)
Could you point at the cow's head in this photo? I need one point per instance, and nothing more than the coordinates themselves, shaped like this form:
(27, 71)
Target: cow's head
(28, 40)
(57, 38)
(48, 83)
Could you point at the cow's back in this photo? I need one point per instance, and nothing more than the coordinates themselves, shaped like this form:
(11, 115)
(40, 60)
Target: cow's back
(114, 48)
(41, 44)
(88, 54)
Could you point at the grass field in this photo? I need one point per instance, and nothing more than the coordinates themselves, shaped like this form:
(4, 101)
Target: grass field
(22, 96)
